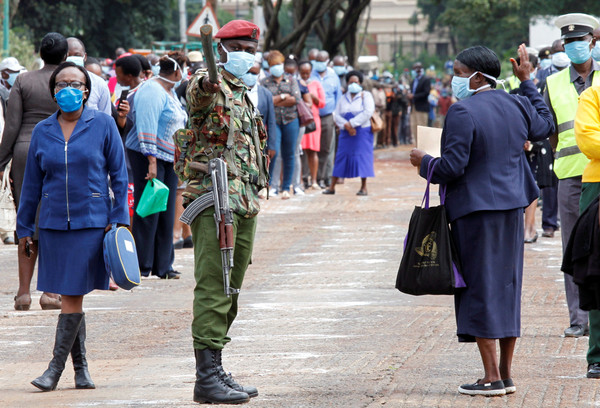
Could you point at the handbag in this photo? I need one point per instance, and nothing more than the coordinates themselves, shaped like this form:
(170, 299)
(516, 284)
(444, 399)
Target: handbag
(154, 198)
(430, 264)
(304, 114)
(8, 213)
(376, 122)
(120, 257)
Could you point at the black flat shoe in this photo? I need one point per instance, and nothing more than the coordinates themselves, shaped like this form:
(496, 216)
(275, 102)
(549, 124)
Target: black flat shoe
(171, 275)
(362, 193)
(188, 243)
(328, 191)
(531, 240)
(492, 389)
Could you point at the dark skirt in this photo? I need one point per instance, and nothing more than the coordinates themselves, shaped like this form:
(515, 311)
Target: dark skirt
(71, 262)
(490, 245)
(354, 155)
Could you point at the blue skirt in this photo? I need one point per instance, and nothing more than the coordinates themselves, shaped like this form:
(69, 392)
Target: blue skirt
(71, 262)
(490, 246)
(354, 155)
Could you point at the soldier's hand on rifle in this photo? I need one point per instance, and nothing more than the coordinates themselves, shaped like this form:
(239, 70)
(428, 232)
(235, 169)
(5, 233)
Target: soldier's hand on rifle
(210, 87)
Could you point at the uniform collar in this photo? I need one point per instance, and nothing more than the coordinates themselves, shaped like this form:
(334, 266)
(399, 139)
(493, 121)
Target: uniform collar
(232, 79)
(82, 124)
(574, 74)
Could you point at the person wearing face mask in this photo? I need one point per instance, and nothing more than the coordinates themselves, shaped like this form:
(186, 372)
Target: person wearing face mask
(9, 70)
(286, 94)
(158, 114)
(511, 84)
(333, 92)
(340, 68)
(28, 104)
(100, 97)
(418, 94)
(223, 124)
(562, 97)
(262, 99)
(77, 150)
(488, 184)
(354, 157)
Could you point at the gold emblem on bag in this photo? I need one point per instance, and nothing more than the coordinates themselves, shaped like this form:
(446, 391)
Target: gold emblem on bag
(428, 246)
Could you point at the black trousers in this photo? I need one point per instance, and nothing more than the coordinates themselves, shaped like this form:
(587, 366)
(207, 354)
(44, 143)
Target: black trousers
(153, 234)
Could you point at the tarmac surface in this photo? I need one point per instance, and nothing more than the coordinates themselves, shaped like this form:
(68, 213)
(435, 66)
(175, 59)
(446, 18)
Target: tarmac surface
(320, 322)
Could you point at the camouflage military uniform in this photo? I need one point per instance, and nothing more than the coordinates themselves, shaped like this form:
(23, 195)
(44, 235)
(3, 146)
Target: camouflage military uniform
(217, 121)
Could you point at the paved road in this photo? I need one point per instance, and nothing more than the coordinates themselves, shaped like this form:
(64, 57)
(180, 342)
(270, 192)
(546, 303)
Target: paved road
(320, 324)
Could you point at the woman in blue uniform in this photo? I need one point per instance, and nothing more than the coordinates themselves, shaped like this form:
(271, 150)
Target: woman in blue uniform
(488, 185)
(71, 156)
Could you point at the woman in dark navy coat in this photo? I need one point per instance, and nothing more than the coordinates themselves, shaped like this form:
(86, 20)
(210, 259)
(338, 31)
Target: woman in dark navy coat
(71, 156)
(489, 183)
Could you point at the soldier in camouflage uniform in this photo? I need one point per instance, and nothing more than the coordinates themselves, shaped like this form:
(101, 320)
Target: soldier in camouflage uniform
(223, 123)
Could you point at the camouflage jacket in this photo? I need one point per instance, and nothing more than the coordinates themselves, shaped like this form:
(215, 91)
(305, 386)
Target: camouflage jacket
(213, 119)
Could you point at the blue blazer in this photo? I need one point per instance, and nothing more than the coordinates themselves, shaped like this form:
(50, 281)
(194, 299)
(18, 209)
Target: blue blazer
(71, 179)
(483, 163)
(267, 110)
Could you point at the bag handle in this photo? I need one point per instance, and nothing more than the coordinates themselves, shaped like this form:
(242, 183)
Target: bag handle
(430, 167)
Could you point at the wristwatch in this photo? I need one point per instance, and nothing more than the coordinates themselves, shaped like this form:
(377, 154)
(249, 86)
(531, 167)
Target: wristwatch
(282, 96)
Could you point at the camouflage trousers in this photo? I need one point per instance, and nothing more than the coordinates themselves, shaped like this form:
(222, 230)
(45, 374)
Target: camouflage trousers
(213, 311)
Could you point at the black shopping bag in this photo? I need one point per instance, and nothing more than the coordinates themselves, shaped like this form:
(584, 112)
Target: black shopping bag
(429, 263)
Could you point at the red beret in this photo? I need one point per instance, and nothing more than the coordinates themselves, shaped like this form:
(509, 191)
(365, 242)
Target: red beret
(240, 29)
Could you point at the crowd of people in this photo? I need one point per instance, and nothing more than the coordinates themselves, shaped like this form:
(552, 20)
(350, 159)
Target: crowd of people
(101, 130)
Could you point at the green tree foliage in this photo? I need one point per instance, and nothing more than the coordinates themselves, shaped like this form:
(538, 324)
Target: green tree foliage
(21, 48)
(499, 24)
(103, 25)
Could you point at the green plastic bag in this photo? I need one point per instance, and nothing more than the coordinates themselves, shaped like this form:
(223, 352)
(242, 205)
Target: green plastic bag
(154, 198)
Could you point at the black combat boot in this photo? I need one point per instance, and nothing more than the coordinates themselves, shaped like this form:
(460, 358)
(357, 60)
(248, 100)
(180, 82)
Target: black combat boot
(82, 375)
(248, 389)
(66, 331)
(210, 387)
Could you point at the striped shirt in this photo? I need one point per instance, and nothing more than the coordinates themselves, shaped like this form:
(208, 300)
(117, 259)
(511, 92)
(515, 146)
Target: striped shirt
(158, 115)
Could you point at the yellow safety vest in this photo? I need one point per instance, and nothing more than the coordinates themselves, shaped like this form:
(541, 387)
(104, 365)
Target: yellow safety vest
(568, 160)
(512, 82)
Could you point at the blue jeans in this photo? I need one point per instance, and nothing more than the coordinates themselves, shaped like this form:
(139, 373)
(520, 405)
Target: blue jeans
(286, 135)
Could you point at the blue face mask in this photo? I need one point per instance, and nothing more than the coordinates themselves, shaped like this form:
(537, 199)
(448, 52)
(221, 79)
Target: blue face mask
(238, 62)
(320, 66)
(76, 60)
(354, 88)
(578, 51)
(596, 51)
(265, 64)
(339, 70)
(250, 79)
(12, 78)
(532, 75)
(461, 86)
(546, 63)
(155, 69)
(69, 99)
(276, 70)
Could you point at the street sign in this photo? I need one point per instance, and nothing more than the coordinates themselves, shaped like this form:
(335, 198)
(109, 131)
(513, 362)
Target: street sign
(206, 16)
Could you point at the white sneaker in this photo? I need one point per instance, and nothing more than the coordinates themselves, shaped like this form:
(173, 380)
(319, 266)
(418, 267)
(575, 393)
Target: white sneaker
(315, 186)
(285, 195)
(298, 191)
(272, 192)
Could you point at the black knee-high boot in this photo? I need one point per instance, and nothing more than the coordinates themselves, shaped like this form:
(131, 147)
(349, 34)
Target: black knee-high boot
(210, 387)
(66, 331)
(82, 375)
